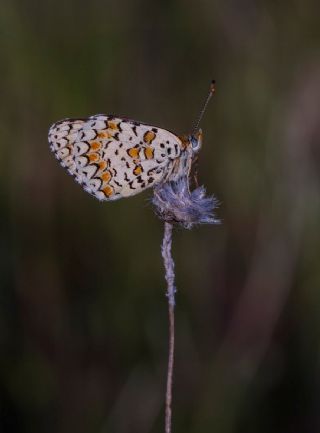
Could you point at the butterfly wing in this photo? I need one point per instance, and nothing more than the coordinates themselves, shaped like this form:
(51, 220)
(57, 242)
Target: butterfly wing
(113, 157)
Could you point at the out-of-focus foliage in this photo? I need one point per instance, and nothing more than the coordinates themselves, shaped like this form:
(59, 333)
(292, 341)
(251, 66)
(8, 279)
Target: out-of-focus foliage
(83, 319)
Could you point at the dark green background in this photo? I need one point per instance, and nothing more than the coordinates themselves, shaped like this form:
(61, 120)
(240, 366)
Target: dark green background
(83, 316)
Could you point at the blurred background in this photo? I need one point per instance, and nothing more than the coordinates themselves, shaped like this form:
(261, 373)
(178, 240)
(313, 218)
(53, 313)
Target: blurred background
(83, 313)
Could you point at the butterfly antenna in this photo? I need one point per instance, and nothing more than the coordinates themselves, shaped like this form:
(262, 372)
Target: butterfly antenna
(204, 107)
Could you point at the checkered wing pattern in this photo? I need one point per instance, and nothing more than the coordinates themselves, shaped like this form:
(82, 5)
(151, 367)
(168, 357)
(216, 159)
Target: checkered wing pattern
(113, 157)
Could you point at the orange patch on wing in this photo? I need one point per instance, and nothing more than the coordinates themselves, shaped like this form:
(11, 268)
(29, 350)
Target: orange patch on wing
(108, 191)
(102, 165)
(149, 152)
(95, 145)
(106, 176)
(137, 170)
(149, 136)
(104, 134)
(93, 157)
(134, 152)
(112, 125)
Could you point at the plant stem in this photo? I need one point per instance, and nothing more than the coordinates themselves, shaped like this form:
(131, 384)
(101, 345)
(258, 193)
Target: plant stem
(169, 275)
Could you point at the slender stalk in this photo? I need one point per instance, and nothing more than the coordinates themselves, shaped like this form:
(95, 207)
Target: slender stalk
(169, 274)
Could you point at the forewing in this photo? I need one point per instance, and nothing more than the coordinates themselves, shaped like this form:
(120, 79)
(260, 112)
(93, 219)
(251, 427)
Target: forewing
(112, 157)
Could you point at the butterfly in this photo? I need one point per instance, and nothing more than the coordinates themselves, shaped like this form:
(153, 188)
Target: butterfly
(114, 157)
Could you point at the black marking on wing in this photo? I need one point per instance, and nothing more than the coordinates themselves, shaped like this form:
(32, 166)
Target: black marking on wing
(86, 172)
(99, 180)
(78, 148)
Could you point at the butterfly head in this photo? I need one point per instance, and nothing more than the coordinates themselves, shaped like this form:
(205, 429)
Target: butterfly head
(196, 141)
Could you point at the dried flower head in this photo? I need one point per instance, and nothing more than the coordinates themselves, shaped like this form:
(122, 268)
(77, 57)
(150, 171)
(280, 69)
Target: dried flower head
(175, 203)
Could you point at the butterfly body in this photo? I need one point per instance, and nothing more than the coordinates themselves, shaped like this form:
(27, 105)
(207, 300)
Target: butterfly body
(113, 157)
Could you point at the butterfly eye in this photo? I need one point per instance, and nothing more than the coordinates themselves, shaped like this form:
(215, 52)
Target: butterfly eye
(196, 141)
